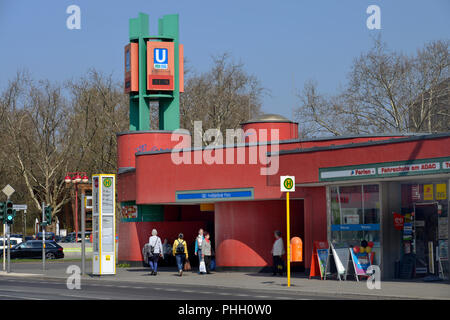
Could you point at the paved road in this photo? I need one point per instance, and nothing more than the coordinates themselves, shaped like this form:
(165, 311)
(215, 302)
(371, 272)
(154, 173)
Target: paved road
(21, 288)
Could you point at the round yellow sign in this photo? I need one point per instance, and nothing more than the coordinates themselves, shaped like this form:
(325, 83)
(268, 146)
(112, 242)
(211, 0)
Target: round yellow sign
(107, 182)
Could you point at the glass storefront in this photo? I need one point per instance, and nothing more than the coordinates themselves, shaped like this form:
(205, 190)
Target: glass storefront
(355, 217)
(424, 207)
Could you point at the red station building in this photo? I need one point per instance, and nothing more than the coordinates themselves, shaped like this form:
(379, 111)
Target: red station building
(347, 189)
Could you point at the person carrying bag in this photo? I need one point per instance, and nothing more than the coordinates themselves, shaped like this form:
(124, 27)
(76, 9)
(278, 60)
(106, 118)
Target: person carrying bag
(180, 252)
(155, 251)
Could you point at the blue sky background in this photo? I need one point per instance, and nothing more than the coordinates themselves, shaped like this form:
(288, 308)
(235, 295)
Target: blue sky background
(313, 39)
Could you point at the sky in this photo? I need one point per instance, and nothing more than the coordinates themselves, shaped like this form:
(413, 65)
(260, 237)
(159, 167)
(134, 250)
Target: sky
(284, 43)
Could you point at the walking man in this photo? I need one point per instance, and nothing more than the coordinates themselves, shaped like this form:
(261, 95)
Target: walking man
(277, 253)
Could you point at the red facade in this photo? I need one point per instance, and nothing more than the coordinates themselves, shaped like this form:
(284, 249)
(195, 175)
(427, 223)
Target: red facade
(243, 230)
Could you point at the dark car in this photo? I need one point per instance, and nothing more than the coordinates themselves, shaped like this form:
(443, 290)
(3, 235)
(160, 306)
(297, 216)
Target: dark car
(68, 238)
(48, 236)
(28, 238)
(33, 249)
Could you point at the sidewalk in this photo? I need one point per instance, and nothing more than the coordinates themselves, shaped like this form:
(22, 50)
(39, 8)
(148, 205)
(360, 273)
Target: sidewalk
(254, 281)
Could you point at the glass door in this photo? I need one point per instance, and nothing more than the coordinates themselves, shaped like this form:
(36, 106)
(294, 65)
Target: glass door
(425, 237)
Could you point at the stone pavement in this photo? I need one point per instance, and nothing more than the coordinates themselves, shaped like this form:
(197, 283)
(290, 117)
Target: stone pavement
(257, 281)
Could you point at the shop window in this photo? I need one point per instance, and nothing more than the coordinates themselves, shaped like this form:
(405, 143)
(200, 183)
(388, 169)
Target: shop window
(355, 216)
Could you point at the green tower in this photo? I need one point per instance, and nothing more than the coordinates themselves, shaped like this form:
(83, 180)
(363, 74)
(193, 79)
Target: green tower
(165, 90)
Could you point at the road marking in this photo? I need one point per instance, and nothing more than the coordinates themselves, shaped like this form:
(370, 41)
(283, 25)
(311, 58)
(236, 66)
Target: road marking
(224, 293)
(19, 297)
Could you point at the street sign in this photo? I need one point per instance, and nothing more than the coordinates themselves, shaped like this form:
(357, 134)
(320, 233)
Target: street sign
(8, 190)
(287, 183)
(20, 207)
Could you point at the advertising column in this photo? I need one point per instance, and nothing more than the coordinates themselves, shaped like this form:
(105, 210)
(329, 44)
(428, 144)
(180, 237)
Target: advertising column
(103, 215)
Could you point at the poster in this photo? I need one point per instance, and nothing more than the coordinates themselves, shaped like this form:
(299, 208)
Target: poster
(441, 191)
(107, 195)
(428, 192)
(415, 192)
(443, 249)
(359, 263)
(322, 256)
(129, 212)
(443, 228)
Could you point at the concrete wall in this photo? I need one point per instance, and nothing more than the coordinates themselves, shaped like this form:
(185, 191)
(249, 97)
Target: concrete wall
(244, 230)
(390, 237)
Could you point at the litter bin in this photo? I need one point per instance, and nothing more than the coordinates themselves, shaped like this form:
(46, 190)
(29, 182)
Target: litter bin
(296, 249)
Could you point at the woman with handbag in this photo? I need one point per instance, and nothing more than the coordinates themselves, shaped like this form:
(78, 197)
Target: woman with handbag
(180, 252)
(156, 251)
(206, 255)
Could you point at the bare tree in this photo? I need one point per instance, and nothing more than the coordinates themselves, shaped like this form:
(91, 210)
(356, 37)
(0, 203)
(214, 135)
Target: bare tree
(386, 92)
(99, 111)
(38, 140)
(221, 98)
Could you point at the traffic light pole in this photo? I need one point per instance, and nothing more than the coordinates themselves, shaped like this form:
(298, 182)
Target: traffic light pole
(8, 230)
(4, 247)
(83, 235)
(43, 236)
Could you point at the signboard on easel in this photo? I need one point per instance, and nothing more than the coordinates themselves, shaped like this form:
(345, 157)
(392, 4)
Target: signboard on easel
(318, 259)
(341, 260)
(361, 261)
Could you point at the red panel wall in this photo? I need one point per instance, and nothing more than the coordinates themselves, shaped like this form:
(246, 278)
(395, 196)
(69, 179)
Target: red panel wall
(130, 143)
(127, 186)
(310, 162)
(133, 235)
(244, 230)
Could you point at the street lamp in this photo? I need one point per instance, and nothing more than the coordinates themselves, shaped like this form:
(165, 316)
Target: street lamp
(75, 178)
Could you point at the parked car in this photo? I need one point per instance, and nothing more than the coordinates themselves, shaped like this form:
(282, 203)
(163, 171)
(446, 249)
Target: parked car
(17, 235)
(58, 238)
(87, 236)
(13, 242)
(69, 238)
(48, 236)
(28, 238)
(33, 249)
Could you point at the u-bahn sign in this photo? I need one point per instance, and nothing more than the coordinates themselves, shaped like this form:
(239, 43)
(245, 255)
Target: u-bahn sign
(287, 183)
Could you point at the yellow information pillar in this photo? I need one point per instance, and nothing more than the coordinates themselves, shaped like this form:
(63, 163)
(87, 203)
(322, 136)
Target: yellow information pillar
(103, 215)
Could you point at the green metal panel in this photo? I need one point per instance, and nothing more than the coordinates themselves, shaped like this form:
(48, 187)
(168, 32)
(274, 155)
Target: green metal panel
(169, 109)
(145, 212)
(151, 212)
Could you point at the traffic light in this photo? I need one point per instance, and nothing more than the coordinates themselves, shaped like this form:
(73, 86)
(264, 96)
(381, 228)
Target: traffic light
(48, 214)
(2, 212)
(10, 212)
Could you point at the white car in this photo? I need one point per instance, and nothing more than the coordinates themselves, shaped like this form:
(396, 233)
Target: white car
(13, 242)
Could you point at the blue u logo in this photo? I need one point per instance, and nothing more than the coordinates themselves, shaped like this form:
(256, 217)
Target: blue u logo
(160, 55)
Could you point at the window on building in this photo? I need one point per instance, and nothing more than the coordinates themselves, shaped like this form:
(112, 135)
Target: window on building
(355, 214)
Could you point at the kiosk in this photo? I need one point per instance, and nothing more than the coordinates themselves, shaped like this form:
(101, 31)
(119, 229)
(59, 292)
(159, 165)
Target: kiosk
(103, 215)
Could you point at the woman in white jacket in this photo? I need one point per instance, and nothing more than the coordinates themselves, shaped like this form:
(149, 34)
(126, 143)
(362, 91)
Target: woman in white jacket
(156, 251)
